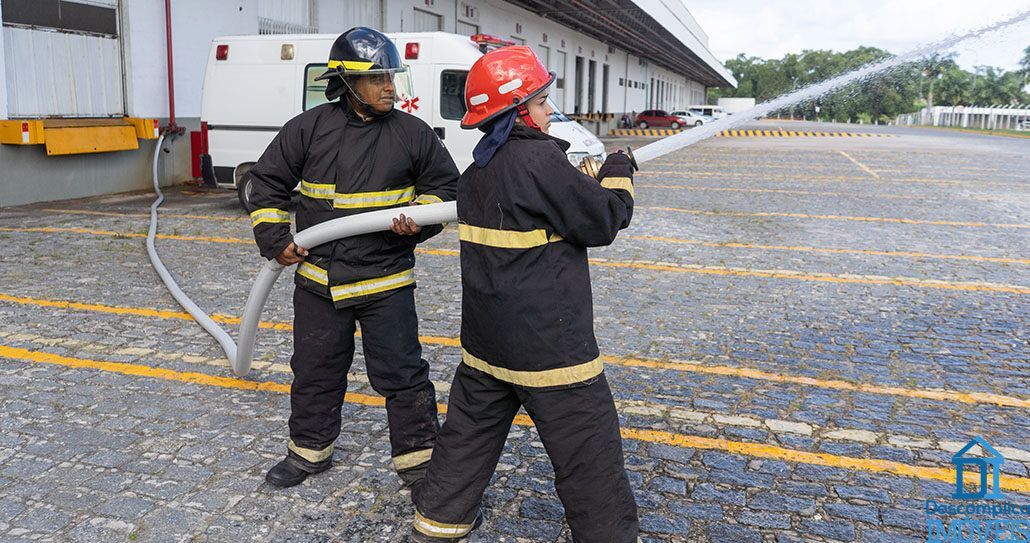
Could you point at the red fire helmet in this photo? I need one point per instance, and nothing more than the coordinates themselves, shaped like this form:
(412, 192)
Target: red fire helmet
(500, 80)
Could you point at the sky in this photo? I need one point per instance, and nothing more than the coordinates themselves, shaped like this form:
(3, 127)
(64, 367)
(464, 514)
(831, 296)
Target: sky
(772, 28)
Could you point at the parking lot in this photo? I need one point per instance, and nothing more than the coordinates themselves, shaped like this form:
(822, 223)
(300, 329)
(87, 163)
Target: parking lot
(799, 332)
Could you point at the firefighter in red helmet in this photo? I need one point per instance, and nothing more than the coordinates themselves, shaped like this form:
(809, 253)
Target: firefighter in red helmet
(526, 218)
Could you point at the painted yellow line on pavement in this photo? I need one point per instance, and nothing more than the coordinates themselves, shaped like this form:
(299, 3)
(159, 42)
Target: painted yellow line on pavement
(786, 191)
(656, 266)
(675, 365)
(819, 277)
(860, 165)
(87, 231)
(835, 217)
(966, 183)
(757, 450)
(903, 254)
(240, 218)
(749, 373)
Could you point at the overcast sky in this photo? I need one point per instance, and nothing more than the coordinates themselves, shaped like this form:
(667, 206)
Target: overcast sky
(772, 28)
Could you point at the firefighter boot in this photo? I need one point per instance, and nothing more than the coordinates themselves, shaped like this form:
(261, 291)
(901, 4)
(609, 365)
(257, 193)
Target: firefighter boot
(291, 472)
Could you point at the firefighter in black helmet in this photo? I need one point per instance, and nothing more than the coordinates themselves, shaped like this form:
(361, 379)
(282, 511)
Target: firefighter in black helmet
(349, 156)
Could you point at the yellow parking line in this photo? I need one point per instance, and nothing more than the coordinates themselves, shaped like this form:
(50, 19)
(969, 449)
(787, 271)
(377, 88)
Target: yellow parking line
(786, 191)
(240, 218)
(659, 266)
(903, 254)
(835, 217)
(673, 365)
(860, 165)
(726, 174)
(757, 450)
(90, 232)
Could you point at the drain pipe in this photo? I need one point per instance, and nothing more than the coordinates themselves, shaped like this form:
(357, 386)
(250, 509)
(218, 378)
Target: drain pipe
(172, 127)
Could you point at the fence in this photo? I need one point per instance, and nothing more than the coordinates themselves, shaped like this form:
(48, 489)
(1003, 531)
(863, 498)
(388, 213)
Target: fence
(989, 118)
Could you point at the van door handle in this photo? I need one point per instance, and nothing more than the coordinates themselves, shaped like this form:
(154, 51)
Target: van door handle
(439, 131)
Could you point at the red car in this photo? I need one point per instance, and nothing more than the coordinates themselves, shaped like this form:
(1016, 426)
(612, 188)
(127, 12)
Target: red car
(657, 117)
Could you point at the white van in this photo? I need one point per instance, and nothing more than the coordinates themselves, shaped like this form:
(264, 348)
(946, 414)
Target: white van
(254, 84)
(712, 112)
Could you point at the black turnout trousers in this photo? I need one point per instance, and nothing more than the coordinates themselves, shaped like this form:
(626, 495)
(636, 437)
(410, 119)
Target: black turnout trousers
(323, 352)
(579, 428)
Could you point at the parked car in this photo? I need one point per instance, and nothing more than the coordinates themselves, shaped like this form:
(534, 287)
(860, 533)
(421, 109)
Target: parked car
(691, 118)
(658, 118)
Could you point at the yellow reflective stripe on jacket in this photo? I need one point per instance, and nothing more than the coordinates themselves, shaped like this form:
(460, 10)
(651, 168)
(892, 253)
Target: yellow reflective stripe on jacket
(623, 183)
(322, 191)
(269, 214)
(542, 378)
(311, 455)
(433, 528)
(350, 64)
(428, 199)
(505, 239)
(410, 460)
(313, 272)
(356, 200)
(372, 286)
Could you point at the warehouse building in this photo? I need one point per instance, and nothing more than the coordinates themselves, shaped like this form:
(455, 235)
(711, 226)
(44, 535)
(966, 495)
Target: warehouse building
(85, 80)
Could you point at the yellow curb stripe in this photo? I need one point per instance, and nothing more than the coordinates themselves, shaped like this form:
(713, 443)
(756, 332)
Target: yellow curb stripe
(903, 254)
(836, 218)
(758, 450)
(860, 165)
(675, 365)
(701, 270)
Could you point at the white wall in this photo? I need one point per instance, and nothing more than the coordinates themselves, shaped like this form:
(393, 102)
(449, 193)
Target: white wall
(194, 24)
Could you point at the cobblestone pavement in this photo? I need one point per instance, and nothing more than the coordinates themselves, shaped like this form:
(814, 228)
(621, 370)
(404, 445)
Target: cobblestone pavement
(799, 333)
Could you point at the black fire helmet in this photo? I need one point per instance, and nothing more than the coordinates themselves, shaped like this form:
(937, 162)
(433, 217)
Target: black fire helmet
(359, 51)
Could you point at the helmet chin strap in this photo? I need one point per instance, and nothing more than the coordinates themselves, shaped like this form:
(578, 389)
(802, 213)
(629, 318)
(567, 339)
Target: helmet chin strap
(364, 108)
(527, 120)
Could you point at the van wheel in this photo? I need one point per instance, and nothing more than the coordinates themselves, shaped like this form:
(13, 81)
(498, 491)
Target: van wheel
(698, 123)
(243, 189)
(675, 126)
(642, 124)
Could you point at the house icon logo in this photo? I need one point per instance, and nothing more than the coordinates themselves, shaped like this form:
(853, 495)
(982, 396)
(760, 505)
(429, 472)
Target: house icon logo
(989, 464)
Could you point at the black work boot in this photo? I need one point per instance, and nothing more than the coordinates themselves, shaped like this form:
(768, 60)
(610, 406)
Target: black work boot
(291, 472)
(419, 537)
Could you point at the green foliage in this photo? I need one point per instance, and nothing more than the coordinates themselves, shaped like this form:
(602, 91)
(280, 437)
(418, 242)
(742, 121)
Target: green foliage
(934, 81)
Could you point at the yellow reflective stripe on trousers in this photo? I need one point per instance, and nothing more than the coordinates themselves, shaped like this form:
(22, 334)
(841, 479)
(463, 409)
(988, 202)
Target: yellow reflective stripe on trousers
(372, 286)
(542, 378)
(505, 239)
(313, 273)
(623, 183)
(269, 214)
(428, 199)
(412, 459)
(356, 200)
(433, 528)
(311, 455)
